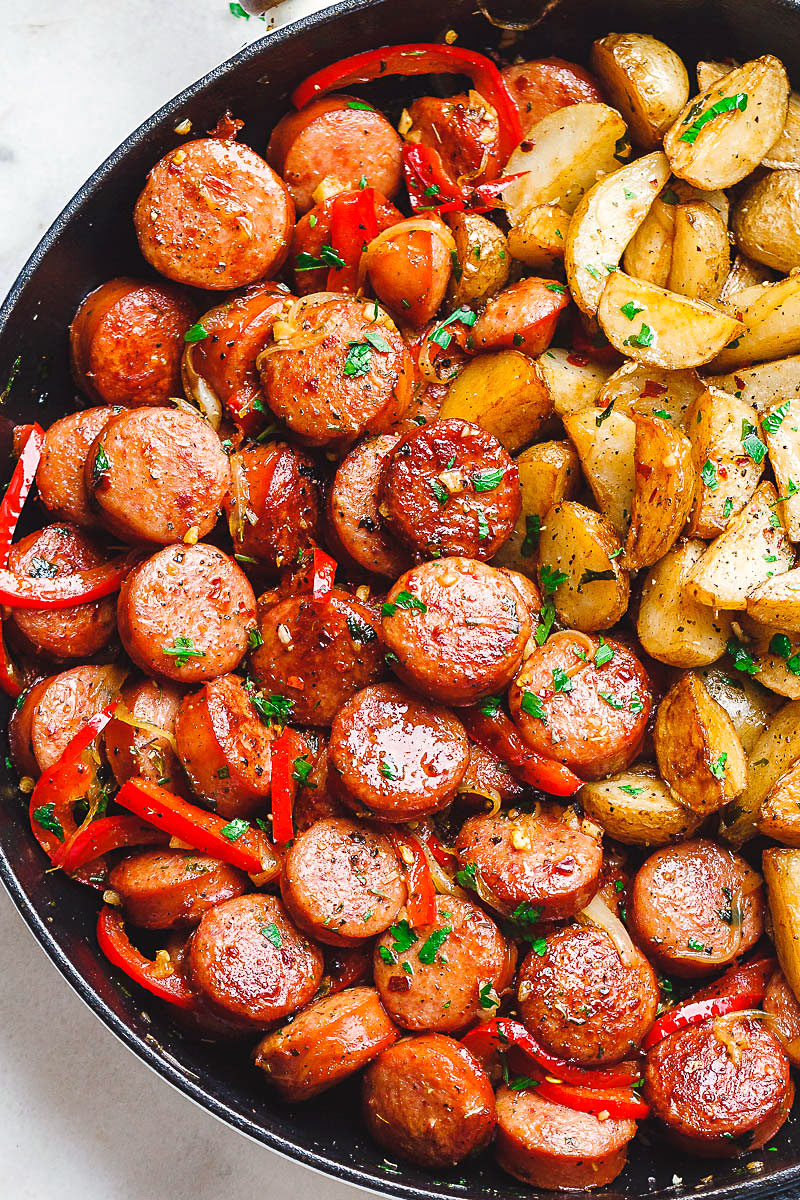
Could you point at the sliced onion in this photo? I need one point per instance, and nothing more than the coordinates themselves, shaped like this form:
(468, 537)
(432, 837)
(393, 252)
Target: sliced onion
(488, 793)
(571, 635)
(128, 718)
(240, 492)
(199, 390)
(598, 913)
(430, 353)
(443, 882)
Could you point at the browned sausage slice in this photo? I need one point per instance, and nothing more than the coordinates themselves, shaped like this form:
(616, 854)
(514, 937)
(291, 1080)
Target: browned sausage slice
(451, 488)
(273, 504)
(185, 613)
(781, 1002)
(126, 342)
(533, 859)
(157, 473)
(457, 629)
(251, 963)
(316, 801)
(313, 231)
(64, 706)
(60, 477)
(353, 510)
(592, 718)
(545, 85)
(144, 751)
(173, 889)
(409, 271)
(342, 882)
(549, 1145)
(428, 1100)
(79, 632)
(446, 975)
(696, 907)
(214, 215)
(395, 756)
(582, 1001)
(487, 778)
(20, 728)
(464, 131)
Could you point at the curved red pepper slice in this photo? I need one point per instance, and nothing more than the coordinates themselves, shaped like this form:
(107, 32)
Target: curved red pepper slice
(502, 1032)
(421, 906)
(497, 734)
(618, 1103)
(19, 591)
(117, 947)
(104, 834)
(284, 781)
(697, 1011)
(323, 575)
(421, 58)
(19, 486)
(429, 186)
(354, 223)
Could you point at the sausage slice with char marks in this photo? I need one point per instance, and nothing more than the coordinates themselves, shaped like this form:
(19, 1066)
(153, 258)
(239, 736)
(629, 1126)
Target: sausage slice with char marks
(131, 751)
(273, 506)
(173, 889)
(64, 705)
(60, 476)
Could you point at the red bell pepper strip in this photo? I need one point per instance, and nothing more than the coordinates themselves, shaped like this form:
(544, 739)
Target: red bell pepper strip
(105, 834)
(284, 781)
(751, 977)
(354, 223)
(250, 849)
(117, 947)
(429, 186)
(619, 1104)
(17, 491)
(323, 574)
(20, 591)
(697, 1011)
(502, 1032)
(421, 58)
(496, 733)
(486, 196)
(444, 856)
(421, 906)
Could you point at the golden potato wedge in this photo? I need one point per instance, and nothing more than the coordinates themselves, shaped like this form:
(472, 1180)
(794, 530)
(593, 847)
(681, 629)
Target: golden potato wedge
(579, 548)
(781, 870)
(698, 750)
(780, 810)
(773, 753)
(563, 155)
(726, 477)
(786, 151)
(701, 252)
(538, 240)
(548, 473)
(775, 653)
(744, 273)
(750, 706)
(644, 79)
(638, 809)
(753, 548)
(671, 625)
(605, 445)
(777, 601)
(766, 220)
(664, 479)
(573, 382)
(504, 393)
(605, 221)
(770, 314)
(763, 385)
(657, 327)
(780, 427)
(648, 255)
(722, 134)
(634, 387)
(482, 258)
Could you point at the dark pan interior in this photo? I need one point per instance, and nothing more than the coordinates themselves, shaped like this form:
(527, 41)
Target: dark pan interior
(93, 240)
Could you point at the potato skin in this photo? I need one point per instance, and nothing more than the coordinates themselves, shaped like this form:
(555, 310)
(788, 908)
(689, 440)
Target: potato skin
(648, 814)
(672, 626)
(766, 221)
(645, 80)
(483, 259)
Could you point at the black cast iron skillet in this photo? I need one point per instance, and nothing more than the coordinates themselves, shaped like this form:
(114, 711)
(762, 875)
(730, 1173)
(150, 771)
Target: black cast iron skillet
(92, 241)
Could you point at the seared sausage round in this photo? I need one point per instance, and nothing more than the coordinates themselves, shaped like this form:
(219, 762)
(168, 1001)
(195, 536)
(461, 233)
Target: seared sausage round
(214, 215)
(63, 707)
(549, 1145)
(185, 613)
(353, 512)
(487, 776)
(317, 654)
(316, 801)
(335, 138)
(60, 476)
(154, 474)
(592, 718)
(78, 632)
(720, 1088)
(409, 273)
(126, 342)
(173, 889)
(251, 963)
(531, 859)
(457, 630)
(696, 907)
(273, 504)
(456, 967)
(395, 756)
(332, 383)
(331, 1039)
(781, 1002)
(225, 747)
(547, 84)
(144, 752)
(20, 728)
(451, 488)
(583, 1001)
(427, 1099)
(524, 315)
(465, 133)
(342, 882)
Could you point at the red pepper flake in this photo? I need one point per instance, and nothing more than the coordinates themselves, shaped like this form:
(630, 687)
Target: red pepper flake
(651, 388)
(577, 360)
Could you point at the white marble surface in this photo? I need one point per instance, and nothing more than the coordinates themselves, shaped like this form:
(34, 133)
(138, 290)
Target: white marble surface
(79, 1115)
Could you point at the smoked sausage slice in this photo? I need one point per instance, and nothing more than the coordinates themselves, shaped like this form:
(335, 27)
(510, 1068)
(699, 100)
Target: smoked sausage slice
(131, 751)
(353, 512)
(173, 889)
(273, 504)
(60, 476)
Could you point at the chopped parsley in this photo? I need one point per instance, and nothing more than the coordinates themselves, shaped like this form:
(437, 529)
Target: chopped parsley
(182, 649)
(301, 769)
(611, 700)
(272, 934)
(630, 790)
(466, 877)
(645, 337)
(234, 829)
(360, 631)
(377, 342)
(489, 705)
(752, 443)
(726, 104)
(604, 415)
(405, 600)
(532, 705)
(603, 654)
(742, 660)
(254, 639)
(717, 768)
(359, 359)
(483, 526)
(546, 618)
(101, 465)
(273, 708)
(487, 481)
(40, 568)
(360, 105)
(773, 420)
(442, 336)
(487, 996)
(429, 949)
(403, 937)
(533, 529)
(440, 491)
(551, 578)
(196, 333)
(590, 576)
(631, 310)
(562, 682)
(388, 768)
(327, 258)
(708, 474)
(45, 816)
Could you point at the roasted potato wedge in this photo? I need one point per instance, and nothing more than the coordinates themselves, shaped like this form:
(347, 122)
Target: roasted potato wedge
(726, 131)
(653, 326)
(701, 252)
(786, 151)
(638, 809)
(634, 387)
(548, 473)
(482, 258)
(645, 80)
(605, 221)
(539, 238)
(573, 382)
(563, 155)
(700, 755)
(664, 485)
(726, 477)
(766, 220)
(776, 655)
(773, 753)
(780, 809)
(763, 385)
(580, 545)
(777, 601)
(780, 427)
(753, 548)
(605, 445)
(770, 314)
(504, 393)
(781, 870)
(671, 625)
(744, 273)
(750, 706)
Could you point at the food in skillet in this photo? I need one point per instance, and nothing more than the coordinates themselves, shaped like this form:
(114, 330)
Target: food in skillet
(425, 721)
